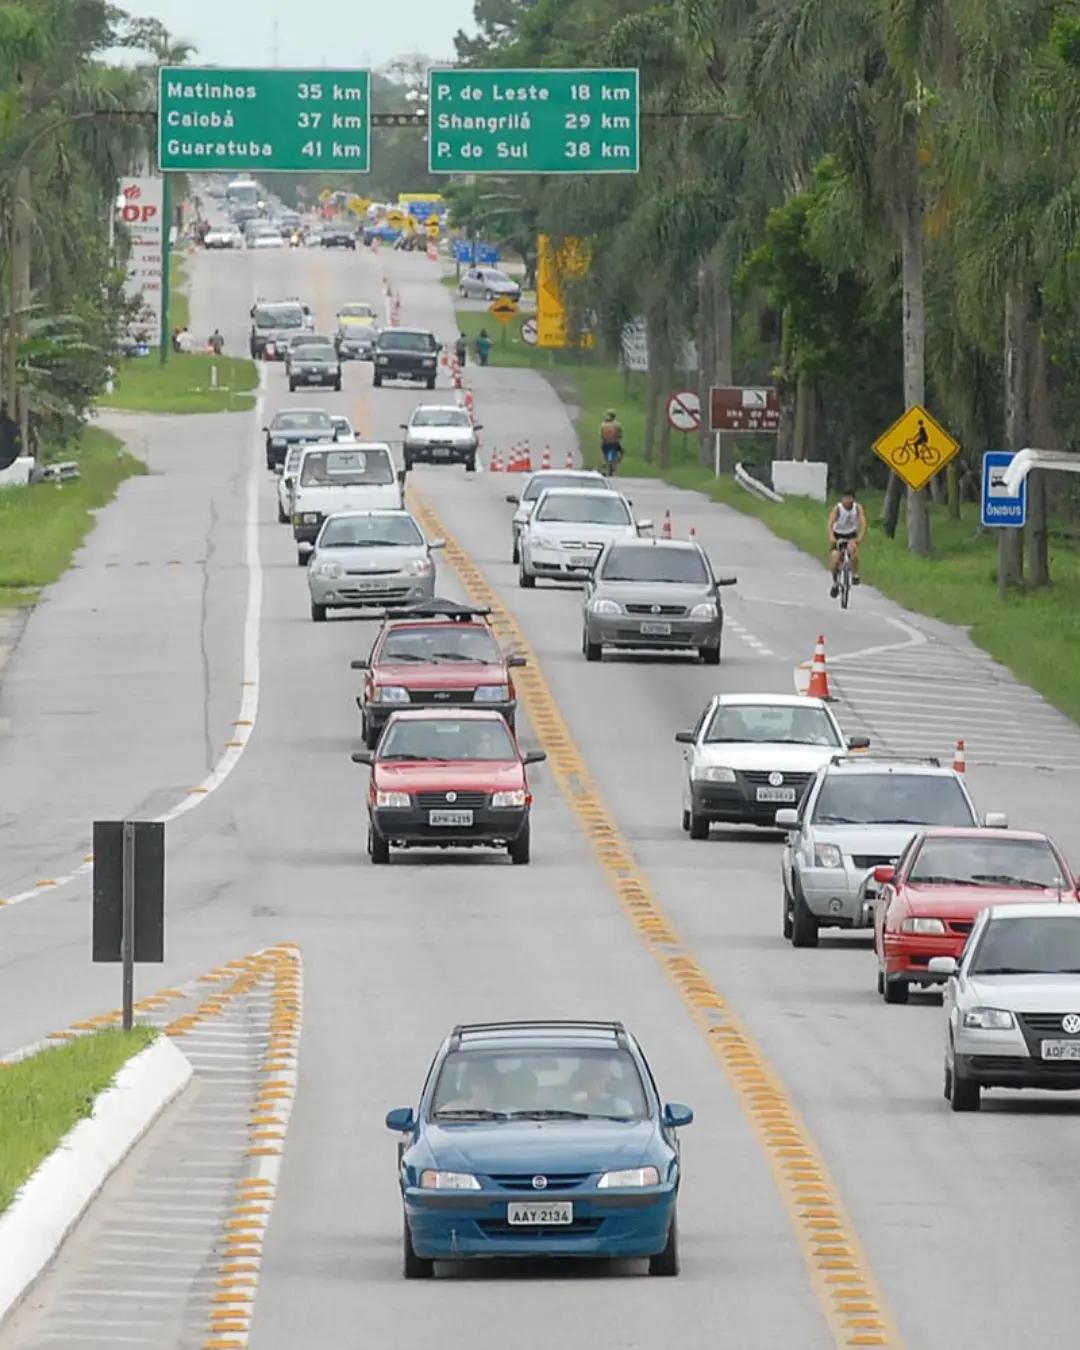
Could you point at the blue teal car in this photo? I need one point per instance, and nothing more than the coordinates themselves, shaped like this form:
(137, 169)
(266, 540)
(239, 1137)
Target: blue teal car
(540, 1139)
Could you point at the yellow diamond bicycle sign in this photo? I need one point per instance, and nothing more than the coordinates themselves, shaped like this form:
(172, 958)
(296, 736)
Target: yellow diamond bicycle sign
(916, 447)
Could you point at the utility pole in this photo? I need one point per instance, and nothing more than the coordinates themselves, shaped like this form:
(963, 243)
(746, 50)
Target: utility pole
(20, 254)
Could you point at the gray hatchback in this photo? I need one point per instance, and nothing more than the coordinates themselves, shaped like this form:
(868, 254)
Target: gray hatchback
(370, 559)
(654, 594)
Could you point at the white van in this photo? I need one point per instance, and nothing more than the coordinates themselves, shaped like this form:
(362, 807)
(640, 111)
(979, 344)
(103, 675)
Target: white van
(345, 476)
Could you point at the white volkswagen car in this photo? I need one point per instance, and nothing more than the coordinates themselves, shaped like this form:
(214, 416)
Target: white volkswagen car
(544, 480)
(564, 535)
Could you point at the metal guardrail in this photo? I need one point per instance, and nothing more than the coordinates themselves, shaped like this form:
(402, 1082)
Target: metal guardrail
(756, 489)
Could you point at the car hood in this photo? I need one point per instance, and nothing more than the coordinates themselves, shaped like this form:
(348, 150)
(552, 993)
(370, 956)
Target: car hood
(557, 531)
(1027, 993)
(886, 841)
(363, 497)
(462, 776)
(450, 675)
(964, 902)
(766, 756)
(654, 593)
(540, 1146)
(390, 558)
(453, 435)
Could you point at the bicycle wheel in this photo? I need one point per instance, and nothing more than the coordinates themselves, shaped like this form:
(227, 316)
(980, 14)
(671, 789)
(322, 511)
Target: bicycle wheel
(902, 455)
(930, 455)
(845, 582)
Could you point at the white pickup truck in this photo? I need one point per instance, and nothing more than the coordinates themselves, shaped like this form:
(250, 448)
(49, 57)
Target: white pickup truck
(345, 476)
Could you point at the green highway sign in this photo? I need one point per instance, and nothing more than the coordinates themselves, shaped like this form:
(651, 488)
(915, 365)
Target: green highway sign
(285, 121)
(533, 121)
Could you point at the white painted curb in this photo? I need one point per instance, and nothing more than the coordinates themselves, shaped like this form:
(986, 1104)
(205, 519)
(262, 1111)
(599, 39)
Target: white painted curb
(59, 1193)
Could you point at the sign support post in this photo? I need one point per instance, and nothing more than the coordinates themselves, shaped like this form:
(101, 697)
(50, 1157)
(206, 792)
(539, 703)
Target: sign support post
(166, 265)
(127, 931)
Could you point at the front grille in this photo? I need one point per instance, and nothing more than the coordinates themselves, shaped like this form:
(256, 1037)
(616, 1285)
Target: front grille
(644, 639)
(464, 801)
(374, 599)
(760, 778)
(580, 545)
(499, 1228)
(1013, 1065)
(1044, 1024)
(371, 571)
(442, 696)
(863, 862)
(672, 610)
(523, 1181)
(962, 928)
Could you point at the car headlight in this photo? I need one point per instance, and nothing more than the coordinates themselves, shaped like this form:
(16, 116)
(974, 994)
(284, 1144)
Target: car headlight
(418, 567)
(278, 442)
(382, 360)
(429, 360)
(989, 1019)
(710, 773)
(328, 570)
(515, 797)
(311, 517)
(448, 1181)
(923, 926)
(398, 799)
(827, 855)
(492, 693)
(630, 1176)
(706, 610)
(604, 607)
(392, 693)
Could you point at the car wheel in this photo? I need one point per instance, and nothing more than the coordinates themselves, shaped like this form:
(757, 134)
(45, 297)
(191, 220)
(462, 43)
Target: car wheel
(318, 613)
(667, 1261)
(699, 826)
(431, 382)
(804, 926)
(413, 1267)
(370, 733)
(377, 381)
(881, 983)
(301, 559)
(282, 516)
(470, 465)
(525, 581)
(292, 386)
(686, 822)
(378, 848)
(710, 656)
(966, 1093)
(788, 920)
(894, 991)
(337, 386)
(515, 552)
(519, 848)
(946, 1088)
(593, 651)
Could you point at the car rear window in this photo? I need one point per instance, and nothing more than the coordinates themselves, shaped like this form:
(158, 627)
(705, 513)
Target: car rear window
(407, 342)
(279, 316)
(892, 799)
(347, 468)
(539, 1082)
(678, 566)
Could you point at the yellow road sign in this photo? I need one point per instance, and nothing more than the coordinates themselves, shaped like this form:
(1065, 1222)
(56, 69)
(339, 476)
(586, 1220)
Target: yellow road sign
(916, 447)
(433, 227)
(412, 224)
(326, 194)
(503, 309)
(553, 266)
(395, 219)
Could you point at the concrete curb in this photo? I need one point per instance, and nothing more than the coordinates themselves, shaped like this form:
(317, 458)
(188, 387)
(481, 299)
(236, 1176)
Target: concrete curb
(59, 1193)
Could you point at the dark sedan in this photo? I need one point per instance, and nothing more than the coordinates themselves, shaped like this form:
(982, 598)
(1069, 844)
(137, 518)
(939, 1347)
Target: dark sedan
(314, 365)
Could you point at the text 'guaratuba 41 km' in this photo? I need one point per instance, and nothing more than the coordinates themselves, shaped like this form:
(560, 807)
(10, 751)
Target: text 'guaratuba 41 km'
(533, 121)
(278, 120)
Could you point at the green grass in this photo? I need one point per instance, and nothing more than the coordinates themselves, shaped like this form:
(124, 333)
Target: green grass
(42, 527)
(43, 1098)
(183, 384)
(179, 304)
(1035, 634)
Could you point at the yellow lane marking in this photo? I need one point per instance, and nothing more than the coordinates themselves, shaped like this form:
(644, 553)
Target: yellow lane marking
(839, 1268)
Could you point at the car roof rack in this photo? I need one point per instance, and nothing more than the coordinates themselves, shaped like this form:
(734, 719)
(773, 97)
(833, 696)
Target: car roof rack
(440, 609)
(615, 1029)
(884, 757)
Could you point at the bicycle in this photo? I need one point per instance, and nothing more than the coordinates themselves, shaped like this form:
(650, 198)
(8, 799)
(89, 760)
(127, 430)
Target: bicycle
(612, 455)
(843, 575)
(921, 451)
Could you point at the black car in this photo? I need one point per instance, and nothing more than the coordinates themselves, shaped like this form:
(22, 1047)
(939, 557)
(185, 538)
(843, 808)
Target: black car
(410, 354)
(304, 339)
(338, 237)
(273, 323)
(312, 364)
(296, 426)
(356, 341)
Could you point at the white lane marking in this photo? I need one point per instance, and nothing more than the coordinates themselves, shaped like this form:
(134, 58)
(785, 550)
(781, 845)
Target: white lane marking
(249, 700)
(745, 636)
(914, 638)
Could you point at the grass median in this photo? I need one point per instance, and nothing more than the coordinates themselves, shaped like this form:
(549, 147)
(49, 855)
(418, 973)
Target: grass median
(42, 526)
(189, 382)
(43, 1098)
(1035, 634)
(179, 304)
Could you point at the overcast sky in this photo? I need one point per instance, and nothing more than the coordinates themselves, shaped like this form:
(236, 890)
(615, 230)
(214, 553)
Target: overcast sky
(332, 33)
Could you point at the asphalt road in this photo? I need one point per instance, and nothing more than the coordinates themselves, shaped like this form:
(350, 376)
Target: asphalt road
(968, 1222)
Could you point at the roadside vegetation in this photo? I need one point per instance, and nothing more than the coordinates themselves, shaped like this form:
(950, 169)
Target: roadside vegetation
(43, 1098)
(184, 384)
(43, 526)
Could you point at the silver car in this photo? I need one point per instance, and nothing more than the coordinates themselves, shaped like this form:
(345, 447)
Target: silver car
(488, 283)
(653, 594)
(859, 814)
(1012, 1003)
(370, 559)
(538, 483)
(440, 435)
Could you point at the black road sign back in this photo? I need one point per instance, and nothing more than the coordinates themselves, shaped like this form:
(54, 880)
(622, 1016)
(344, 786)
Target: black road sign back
(108, 920)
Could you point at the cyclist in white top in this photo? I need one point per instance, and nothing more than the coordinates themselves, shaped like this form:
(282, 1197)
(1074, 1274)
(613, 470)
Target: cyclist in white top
(847, 522)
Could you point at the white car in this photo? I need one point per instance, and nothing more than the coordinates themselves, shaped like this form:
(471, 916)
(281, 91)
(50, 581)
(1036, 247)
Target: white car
(343, 427)
(222, 236)
(1012, 1003)
(540, 482)
(286, 487)
(265, 239)
(565, 533)
(753, 753)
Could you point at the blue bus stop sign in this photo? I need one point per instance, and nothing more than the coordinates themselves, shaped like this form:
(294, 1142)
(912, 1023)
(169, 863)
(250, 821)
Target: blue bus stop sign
(1001, 509)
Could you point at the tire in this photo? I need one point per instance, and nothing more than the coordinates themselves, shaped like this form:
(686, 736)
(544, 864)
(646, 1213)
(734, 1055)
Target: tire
(301, 559)
(894, 991)
(282, 518)
(526, 582)
(699, 826)
(337, 386)
(413, 1267)
(370, 734)
(667, 1262)
(880, 983)
(378, 851)
(470, 465)
(515, 552)
(407, 463)
(377, 381)
(520, 849)
(787, 923)
(593, 651)
(431, 382)
(966, 1094)
(292, 386)
(710, 656)
(686, 822)
(804, 928)
(318, 613)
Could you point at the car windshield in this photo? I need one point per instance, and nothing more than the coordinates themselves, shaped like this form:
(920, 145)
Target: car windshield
(357, 311)
(279, 316)
(545, 483)
(1028, 945)
(680, 566)
(371, 532)
(449, 740)
(441, 417)
(585, 508)
(434, 644)
(303, 421)
(347, 468)
(892, 799)
(316, 353)
(541, 1083)
(1000, 861)
(775, 724)
(398, 341)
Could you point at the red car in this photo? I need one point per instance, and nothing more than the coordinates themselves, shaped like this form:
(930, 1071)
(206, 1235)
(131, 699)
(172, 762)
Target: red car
(448, 778)
(435, 654)
(941, 881)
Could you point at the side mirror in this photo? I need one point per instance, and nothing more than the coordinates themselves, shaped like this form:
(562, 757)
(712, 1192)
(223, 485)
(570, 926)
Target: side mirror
(509, 496)
(401, 1121)
(727, 581)
(437, 543)
(404, 426)
(942, 965)
(513, 662)
(644, 524)
(478, 426)
(685, 738)
(534, 756)
(266, 430)
(401, 475)
(787, 819)
(363, 757)
(882, 875)
(289, 482)
(361, 663)
(858, 742)
(676, 1115)
(996, 820)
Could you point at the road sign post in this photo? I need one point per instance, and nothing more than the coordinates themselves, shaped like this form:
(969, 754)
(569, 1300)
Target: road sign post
(128, 899)
(534, 121)
(1001, 509)
(916, 447)
(274, 119)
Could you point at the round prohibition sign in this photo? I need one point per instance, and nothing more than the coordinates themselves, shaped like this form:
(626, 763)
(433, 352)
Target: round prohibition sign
(529, 332)
(684, 411)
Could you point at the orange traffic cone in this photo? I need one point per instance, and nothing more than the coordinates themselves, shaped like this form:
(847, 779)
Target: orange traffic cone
(444, 360)
(527, 458)
(469, 399)
(495, 464)
(545, 462)
(959, 759)
(665, 529)
(569, 459)
(819, 677)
